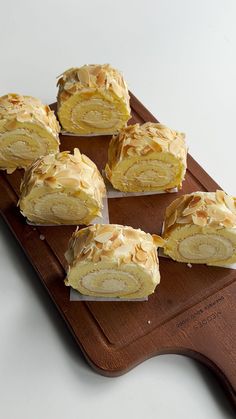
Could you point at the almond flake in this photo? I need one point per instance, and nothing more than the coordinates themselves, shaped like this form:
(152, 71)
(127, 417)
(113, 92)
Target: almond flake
(171, 220)
(194, 201)
(102, 238)
(202, 214)
(158, 241)
(147, 245)
(220, 196)
(70, 182)
(229, 201)
(209, 201)
(84, 184)
(96, 258)
(184, 220)
(141, 255)
(199, 221)
(126, 259)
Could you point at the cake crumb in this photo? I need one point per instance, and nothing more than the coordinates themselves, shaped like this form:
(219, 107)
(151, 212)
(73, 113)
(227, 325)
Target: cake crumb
(42, 237)
(149, 321)
(189, 265)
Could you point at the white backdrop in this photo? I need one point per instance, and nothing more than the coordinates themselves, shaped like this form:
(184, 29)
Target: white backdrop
(178, 58)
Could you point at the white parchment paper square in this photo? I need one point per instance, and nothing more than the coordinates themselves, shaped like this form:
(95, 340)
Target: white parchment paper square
(77, 296)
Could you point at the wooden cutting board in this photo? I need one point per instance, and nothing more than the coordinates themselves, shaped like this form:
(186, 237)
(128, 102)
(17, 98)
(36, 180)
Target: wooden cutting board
(192, 311)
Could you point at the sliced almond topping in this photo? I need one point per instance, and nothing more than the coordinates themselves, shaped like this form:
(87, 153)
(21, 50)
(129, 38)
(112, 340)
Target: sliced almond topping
(131, 233)
(158, 241)
(199, 221)
(202, 214)
(83, 75)
(216, 213)
(126, 259)
(194, 201)
(141, 255)
(101, 78)
(184, 220)
(220, 196)
(84, 184)
(117, 243)
(229, 201)
(145, 150)
(174, 147)
(171, 220)
(102, 238)
(131, 151)
(209, 201)
(147, 245)
(156, 147)
(96, 257)
(228, 222)
(70, 182)
(174, 205)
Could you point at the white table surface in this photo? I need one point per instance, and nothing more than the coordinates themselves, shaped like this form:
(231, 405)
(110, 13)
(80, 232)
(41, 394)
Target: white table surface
(179, 59)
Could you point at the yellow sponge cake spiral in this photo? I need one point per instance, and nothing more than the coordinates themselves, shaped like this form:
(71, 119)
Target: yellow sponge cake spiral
(148, 157)
(201, 228)
(92, 100)
(28, 130)
(113, 261)
(62, 189)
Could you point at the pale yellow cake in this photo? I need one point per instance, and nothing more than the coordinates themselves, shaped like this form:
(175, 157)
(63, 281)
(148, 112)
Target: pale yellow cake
(62, 188)
(92, 100)
(113, 261)
(201, 228)
(147, 157)
(28, 130)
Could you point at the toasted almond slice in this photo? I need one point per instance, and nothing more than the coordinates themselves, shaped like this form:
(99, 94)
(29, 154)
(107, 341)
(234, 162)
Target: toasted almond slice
(70, 182)
(156, 146)
(126, 259)
(185, 220)
(96, 257)
(171, 220)
(84, 184)
(102, 238)
(220, 195)
(131, 151)
(174, 147)
(158, 240)
(195, 201)
(175, 205)
(199, 221)
(209, 201)
(101, 78)
(147, 245)
(202, 214)
(229, 201)
(216, 213)
(141, 255)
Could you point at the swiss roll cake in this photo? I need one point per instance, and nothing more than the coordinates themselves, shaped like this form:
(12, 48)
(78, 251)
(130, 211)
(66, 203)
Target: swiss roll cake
(92, 100)
(148, 157)
(201, 228)
(28, 130)
(62, 188)
(113, 261)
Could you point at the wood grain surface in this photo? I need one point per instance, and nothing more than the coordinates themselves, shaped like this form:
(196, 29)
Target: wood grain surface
(192, 311)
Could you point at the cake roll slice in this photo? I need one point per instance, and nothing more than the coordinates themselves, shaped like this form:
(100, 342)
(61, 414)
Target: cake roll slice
(201, 228)
(93, 99)
(62, 188)
(28, 130)
(148, 157)
(113, 261)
